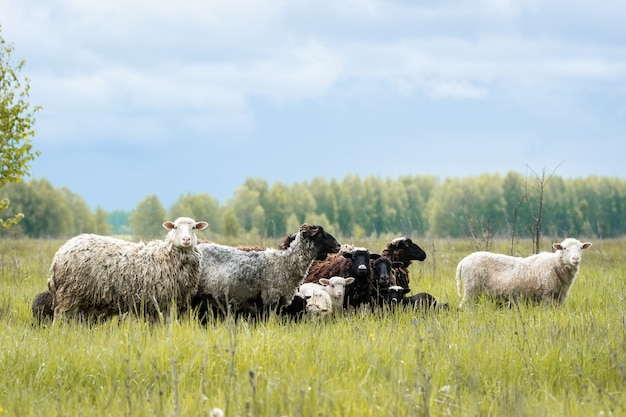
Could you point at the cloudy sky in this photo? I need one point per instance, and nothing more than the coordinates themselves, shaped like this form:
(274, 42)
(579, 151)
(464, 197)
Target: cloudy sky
(168, 98)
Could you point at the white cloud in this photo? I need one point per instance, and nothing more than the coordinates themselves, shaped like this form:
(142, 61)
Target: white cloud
(210, 60)
(456, 90)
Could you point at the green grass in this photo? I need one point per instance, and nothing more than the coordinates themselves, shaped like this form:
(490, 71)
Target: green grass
(482, 361)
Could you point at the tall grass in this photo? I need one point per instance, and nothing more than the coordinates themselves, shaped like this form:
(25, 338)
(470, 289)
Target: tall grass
(485, 360)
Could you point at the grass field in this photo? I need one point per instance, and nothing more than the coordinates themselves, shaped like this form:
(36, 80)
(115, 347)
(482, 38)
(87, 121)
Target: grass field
(485, 360)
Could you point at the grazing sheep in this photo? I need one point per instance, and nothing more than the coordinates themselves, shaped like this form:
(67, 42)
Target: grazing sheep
(544, 277)
(238, 281)
(95, 276)
(403, 249)
(42, 308)
(334, 286)
(423, 300)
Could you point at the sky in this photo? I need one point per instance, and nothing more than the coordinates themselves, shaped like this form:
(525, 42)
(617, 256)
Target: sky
(151, 97)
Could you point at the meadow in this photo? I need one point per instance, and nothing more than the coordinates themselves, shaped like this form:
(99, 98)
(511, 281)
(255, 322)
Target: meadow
(484, 360)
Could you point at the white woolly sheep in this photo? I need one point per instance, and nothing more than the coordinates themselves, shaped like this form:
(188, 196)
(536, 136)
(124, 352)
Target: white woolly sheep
(239, 281)
(94, 276)
(544, 277)
(318, 300)
(334, 286)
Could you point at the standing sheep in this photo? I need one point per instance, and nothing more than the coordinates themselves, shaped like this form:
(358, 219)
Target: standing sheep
(544, 277)
(95, 276)
(239, 281)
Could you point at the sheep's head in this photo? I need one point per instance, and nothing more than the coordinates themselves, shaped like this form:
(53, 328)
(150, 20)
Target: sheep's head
(395, 293)
(323, 241)
(318, 303)
(336, 285)
(571, 251)
(360, 257)
(382, 271)
(181, 232)
(403, 249)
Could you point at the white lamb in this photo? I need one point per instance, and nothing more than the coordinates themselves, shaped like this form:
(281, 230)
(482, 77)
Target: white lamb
(544, 277)
(239, 281)
(318, 301)
(94, 276)
(334, 286)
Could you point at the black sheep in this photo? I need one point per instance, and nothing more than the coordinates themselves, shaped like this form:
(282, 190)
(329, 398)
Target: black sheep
(396, 297)
(404, 250)
(355, 263)
(42, 306)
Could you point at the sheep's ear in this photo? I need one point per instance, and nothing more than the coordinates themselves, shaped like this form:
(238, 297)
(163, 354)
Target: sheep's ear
(397, 264)
(406, 290)
(324, 281)
(586, 245)
(557, 246)
(201, 225)
(374, 256)
(349, 280)
(347, 255)
(309, 230)
(169, 225)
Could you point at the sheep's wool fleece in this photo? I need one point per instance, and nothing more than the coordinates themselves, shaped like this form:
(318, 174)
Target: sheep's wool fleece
(236, 277)
(542, 277)
(96, 275)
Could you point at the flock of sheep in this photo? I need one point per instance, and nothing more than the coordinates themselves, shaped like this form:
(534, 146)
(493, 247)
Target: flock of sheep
(95, 277)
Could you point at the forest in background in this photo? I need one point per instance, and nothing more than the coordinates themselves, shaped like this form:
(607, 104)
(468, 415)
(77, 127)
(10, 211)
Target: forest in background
(489, 205)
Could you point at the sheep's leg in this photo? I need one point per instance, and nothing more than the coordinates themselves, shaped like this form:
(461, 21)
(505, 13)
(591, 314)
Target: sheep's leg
(467, 294)
(59, 315)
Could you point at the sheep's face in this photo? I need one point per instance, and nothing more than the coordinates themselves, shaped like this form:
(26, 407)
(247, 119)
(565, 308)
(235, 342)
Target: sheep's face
(181, 231)
(381, 271)
(571, 251)
(323, 241)
(336, 285)
(317, 304)
(396, 293)
(360, 261)
(405, 250)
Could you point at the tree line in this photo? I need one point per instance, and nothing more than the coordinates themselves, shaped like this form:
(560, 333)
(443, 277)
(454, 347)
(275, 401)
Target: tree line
(485, 206)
